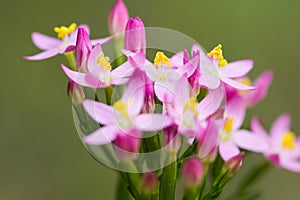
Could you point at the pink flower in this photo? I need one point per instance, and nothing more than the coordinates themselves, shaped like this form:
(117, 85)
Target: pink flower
(232, 137)
(98, 73)
(193, 172)
(118, 18)
(283, 145)
(135, 37)
(65, 42)
(214, 69)
(251, 98)
(124, 116)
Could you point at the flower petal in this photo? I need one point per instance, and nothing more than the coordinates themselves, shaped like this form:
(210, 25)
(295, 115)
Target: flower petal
(101, 40)
(102, 136)
(152, 122)
(228, 150)
(249, 141)
(43, 55)
(236, 108)
(93, 67)
(100, 112)
(236, 84)
(236, 69)
(280, 126)
(45, 42)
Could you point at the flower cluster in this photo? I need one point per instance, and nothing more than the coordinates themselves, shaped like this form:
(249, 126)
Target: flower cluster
(204, 99)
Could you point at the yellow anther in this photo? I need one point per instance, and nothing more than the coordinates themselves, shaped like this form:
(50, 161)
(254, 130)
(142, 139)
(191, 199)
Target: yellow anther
(191, 104)
(217, 53)
(104, 62)
(63, 30)
(228, 124)
(161, 59)
(121, 106)
(288, 140)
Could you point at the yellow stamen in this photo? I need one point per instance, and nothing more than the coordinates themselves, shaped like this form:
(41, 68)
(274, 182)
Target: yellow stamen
(104, 62)
(121, 106)
(228, 124)
(63, 30)
(288, 140)
(161, 59)
(191, 104)
(217, 53)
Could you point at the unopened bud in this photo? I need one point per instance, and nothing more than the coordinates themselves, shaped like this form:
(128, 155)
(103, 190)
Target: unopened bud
(135, 37)
(126, 146)
(75, 92)
(192, 172)
(172, 138)
(234, 163)
(118, 18)
(149, 182)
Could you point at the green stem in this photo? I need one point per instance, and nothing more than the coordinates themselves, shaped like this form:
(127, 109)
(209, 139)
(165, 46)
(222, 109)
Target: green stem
(71, 60)
(122, 192)
(108, 93)
(168, 178)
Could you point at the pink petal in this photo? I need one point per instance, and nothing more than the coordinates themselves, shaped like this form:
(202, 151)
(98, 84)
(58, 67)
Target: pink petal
(100, 112)
(137, 60)
(209, 81)
(292, 165)
(236, 69)
(45, 42)
(189, 68)
(102, 136)
(236, 108)
(152, 122)
(134, 92)
(211, 102)
(177, 59)
(262, 84)
(43, 55)
(257, 128)
(83, 79)
(275, 159)
(280, 126)
(101, 41)
(164, 90)
(249, 141)
(228, 150)
(93, 67)
(236, 84)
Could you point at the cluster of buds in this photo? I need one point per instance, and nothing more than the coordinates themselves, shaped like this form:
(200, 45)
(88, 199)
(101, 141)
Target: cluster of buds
(190, 88)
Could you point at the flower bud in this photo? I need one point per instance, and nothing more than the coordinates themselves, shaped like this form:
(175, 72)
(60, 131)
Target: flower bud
(234, 163)
(192, 172)
(135, 37)
(83, 49)
(211, 156)
(149, 105)
(75, 92)
(118, 18)
(126, 146)
(172, 138)
(149, 182)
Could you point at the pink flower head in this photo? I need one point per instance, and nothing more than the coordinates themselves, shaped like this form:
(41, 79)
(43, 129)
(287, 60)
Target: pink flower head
(99, 72)
(193, 172)
(135, 36)
(251, 98)
(67, 37)
(118, 18)
(214, 69)
(283, 145)
(124, 115)
(232, 137)
(83, 49)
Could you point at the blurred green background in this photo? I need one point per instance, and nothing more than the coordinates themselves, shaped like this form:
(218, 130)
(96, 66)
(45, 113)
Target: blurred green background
(41, 155)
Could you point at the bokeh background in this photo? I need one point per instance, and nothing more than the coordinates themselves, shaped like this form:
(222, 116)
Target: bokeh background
(41, 155)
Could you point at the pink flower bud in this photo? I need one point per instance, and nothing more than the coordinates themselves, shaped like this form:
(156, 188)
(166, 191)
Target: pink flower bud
(234, 163)
(83, 49)
(149, 182)
(75, 92)
(193, 172)
(118, 18)
(135, 37)
(149, 105)
(127, 146)
(172, 137)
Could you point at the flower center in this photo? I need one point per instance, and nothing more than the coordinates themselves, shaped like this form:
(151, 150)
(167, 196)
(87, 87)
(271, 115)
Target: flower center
(160, 60)
(288, 140)
(104, 62)
(217, 53)
(121, 106)
(191, 104)
(228, 124)
(63, 30)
